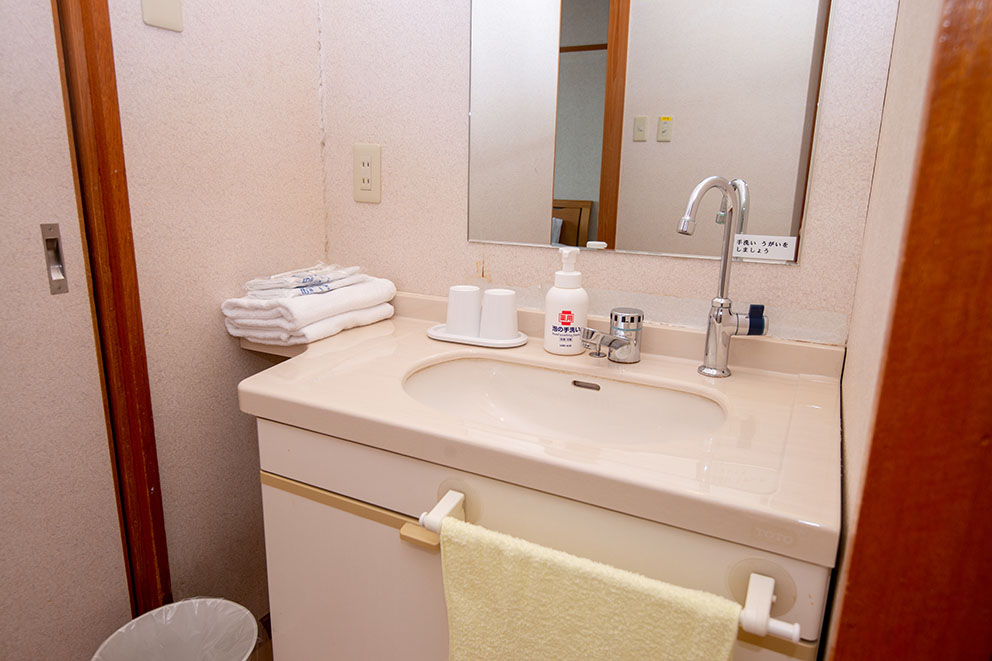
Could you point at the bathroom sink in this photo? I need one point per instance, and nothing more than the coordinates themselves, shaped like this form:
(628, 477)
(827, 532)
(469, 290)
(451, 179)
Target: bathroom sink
(559, 405)
(752, 459)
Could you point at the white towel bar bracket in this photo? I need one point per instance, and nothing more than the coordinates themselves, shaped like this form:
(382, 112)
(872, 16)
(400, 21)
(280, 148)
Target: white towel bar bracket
(453, 504)
(756, 616)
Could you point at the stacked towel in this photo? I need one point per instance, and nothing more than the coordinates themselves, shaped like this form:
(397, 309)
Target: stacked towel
(308, 277)
(321, 288)
(303, 306)
(511, 599)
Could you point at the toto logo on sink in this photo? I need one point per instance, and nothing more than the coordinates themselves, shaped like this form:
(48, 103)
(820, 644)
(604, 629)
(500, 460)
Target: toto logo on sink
(565, 318)
(772, 535)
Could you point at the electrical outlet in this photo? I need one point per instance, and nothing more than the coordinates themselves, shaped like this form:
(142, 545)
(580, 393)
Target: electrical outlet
(367, 172)
(664, 129)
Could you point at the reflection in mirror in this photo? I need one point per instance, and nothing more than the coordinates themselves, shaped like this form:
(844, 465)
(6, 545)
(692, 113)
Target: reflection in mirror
(581, 92)
(738, 81)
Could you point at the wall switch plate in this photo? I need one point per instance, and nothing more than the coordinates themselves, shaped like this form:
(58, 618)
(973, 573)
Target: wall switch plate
(664, 129)
(166, 14)
(367, 172)
(641, 128)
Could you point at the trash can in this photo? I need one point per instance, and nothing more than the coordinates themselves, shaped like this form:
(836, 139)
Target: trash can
(200, 629)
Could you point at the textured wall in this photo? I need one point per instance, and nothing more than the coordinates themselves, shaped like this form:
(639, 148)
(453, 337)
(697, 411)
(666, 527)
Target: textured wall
(62, 583)
(898, 147)
(413, 99)
(222, 142)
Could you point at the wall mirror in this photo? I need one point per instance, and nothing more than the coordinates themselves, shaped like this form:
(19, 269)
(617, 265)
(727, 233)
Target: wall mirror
(594, 119)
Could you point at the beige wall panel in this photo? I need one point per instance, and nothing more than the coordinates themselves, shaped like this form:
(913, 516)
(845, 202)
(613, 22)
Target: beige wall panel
(898, 151)
(222, 141)
(63, 587)
(413, 98)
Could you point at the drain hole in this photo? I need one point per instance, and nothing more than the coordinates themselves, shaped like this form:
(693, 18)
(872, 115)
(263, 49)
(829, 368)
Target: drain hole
(585, 384)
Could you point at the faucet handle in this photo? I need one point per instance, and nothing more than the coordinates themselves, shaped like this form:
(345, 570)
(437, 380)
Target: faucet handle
(593, 339)
(626, 319)
(626, 324)
(757, 322)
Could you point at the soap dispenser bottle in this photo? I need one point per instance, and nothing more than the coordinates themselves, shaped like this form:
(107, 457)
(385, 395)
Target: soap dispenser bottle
(566, 308)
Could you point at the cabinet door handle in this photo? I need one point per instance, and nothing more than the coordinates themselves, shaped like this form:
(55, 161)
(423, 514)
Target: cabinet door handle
(410, 530)
(420, 536)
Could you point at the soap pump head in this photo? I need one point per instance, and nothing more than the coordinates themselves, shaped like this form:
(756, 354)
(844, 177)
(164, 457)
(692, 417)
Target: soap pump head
(568, 277)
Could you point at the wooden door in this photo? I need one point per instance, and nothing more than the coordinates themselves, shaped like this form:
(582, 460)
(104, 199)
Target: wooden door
(920, 576)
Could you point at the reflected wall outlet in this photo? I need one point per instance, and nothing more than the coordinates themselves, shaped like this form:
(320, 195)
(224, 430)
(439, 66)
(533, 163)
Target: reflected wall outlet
(664, 129)
(367, 172)
(166, 14)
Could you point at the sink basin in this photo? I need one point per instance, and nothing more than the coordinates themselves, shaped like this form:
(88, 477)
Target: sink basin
(558, 405)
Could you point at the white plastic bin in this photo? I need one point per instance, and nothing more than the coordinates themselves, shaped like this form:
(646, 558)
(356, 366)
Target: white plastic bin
(200, 629)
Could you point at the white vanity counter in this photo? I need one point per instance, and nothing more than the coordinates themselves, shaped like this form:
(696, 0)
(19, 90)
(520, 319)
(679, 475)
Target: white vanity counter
(767, 476)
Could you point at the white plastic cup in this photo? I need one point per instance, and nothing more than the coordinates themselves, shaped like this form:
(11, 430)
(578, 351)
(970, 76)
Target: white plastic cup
(499, 314)
(464, 302)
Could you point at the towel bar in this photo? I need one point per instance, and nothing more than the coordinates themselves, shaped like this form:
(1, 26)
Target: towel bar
(453, 504)
(426, 533)
(755, 617)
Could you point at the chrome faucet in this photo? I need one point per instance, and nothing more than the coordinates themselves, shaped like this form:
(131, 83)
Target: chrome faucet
(722, 322)
(623, 342)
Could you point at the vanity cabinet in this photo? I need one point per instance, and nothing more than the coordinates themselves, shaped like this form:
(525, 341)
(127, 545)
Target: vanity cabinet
(343, 584)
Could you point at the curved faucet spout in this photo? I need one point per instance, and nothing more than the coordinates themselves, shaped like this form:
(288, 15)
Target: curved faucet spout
(735, 197)
(687, 225)
(722, 322)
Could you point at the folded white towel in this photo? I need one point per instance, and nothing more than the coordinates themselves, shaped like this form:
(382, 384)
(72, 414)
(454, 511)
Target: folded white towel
(292, 314)
(315, 331)
(307, 291)
(318, 274)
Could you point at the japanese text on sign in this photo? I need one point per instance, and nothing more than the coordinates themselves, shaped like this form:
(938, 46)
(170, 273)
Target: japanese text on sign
(763, 246)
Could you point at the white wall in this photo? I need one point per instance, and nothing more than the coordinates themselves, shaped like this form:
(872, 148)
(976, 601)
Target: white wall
(412, 97)
(758, 54)
(222, 142)
(514, 88)
(898, 154)
(63, 588)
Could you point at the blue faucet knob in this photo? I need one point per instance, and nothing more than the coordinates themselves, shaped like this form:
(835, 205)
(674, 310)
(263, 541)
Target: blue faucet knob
(756, 322)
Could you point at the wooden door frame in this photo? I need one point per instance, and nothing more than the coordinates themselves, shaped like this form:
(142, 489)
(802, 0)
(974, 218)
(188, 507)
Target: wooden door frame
(82, 31)
(920, 578)
(616, 83)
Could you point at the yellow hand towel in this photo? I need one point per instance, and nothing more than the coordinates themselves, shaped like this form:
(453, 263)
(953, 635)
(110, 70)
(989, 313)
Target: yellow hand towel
(511, 600)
